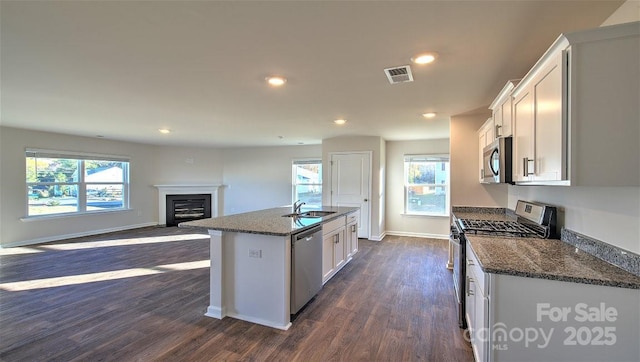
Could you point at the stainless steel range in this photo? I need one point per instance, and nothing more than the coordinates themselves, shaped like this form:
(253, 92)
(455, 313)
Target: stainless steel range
(531, 220)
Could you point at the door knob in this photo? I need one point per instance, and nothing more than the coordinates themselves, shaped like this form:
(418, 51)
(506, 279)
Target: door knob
(365, 200)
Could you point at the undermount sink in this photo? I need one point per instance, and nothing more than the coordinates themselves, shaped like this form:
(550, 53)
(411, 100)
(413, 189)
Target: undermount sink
(313, 213)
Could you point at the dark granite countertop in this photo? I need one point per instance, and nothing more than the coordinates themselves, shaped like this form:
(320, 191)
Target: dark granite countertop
(547, 259)
(539, 258)
(267, 222)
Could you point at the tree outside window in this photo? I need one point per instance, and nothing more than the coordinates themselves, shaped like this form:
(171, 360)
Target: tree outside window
(61, 184)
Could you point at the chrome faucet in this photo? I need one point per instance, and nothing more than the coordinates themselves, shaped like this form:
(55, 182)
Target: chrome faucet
(297, 205)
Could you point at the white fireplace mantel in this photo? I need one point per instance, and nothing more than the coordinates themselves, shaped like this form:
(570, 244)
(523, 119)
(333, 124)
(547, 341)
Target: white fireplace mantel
(187, 189)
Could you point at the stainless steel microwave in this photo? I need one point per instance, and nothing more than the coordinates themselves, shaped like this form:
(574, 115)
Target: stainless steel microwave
(496, 162)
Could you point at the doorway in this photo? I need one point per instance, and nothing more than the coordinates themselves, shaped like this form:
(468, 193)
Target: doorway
(351, 185)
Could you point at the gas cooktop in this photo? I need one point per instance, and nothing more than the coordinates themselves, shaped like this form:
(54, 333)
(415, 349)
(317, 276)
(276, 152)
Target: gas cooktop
(533, 220)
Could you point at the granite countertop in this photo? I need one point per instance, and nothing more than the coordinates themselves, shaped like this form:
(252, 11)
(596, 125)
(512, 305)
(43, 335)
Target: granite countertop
(547, 259)
(267, 222)
(539, 258)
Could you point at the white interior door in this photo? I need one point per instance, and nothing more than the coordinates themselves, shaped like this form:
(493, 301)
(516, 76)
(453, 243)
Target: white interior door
(351, 184)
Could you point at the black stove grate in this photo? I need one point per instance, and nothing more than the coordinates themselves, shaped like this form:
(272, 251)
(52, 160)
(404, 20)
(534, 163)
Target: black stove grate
(502, 227)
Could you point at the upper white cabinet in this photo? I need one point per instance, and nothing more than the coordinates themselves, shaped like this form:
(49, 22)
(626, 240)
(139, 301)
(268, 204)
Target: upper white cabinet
(576, 118)
(538, 118)
(502, 108)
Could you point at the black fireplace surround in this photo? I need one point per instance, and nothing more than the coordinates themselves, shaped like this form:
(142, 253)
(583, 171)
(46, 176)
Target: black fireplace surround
(182, 208)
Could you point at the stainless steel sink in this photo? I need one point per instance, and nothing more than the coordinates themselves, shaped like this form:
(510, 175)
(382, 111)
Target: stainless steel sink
(314, 213)
(318, 213)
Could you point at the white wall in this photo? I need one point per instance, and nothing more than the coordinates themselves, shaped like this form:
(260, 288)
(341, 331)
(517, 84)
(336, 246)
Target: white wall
(397, 222)
(13, 230)
(183, 165)
(466, 190)
(150, 165)
(609, 214)
(261, 177)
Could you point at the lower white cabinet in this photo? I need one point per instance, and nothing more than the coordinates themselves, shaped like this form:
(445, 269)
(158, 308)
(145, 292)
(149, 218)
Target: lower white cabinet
(477, 304)
(514, 318)
(339, 243)
(351, 235)
(333, 253)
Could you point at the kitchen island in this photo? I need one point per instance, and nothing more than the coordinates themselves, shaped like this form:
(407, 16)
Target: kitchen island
(250, 273)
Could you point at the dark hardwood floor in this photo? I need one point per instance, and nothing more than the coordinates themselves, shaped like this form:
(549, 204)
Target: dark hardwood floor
(140, 295)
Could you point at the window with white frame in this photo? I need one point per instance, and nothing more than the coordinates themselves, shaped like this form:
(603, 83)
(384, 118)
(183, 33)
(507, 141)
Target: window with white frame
(68, 183)
(307, 182)
(426, 184)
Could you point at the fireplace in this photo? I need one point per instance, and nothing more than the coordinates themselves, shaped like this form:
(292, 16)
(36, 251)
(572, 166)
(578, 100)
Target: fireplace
(185, 191)
(187, 208)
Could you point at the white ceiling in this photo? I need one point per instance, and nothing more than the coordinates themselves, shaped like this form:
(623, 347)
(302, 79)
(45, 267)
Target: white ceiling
(123, 69)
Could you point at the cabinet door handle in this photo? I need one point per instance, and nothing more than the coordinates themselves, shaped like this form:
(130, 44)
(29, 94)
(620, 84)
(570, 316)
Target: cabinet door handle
(468, 286)
(525, 164)
(336, 238)
(498, 130)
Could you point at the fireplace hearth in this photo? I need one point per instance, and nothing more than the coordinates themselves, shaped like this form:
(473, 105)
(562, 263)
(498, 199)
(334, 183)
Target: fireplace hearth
(182, 208)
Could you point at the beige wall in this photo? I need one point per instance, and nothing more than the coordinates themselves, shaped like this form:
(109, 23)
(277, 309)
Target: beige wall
(629, 11)
(261, 177)
(397, 222)
(466, 190)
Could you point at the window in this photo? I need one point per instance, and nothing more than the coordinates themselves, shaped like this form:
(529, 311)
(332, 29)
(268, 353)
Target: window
(307, 182)
(60, 183)
(426, 184)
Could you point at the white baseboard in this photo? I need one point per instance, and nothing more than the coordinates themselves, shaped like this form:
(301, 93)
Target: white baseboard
(418, 235)
(378, 237)
(47, 239)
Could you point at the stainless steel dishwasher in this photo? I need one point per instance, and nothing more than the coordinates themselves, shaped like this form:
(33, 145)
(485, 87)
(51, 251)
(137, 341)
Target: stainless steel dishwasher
(306, 267)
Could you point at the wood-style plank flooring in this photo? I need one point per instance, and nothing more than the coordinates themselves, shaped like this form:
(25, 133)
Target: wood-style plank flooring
(140, 295)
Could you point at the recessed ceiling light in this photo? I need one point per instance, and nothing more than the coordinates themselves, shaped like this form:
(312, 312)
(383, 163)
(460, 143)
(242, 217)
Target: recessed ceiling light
(340, 122)
(425, 58)
(429, 115)
(164, 130)
(276, 81)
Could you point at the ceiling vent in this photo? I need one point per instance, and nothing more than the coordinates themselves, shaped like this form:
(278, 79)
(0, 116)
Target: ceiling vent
(400, 74)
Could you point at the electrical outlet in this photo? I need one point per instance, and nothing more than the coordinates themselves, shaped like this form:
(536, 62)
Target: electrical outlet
(255, 253)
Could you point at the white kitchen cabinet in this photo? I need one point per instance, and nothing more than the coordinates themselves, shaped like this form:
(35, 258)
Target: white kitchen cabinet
(485, 137)
(477, 304)
(502, 110)
(351, 236)
(538, 125)
(576, 118)
(515, 318)
(334, 247)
